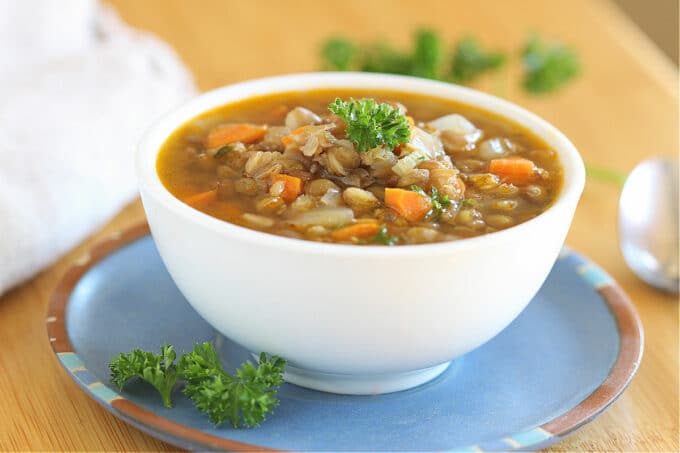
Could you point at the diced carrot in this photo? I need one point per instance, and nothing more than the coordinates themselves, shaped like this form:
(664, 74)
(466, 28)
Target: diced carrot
(358, 230)
(292, 186)
(288, 139)
(225, 134)
(202, 197)
(410, 205)
(518, 171)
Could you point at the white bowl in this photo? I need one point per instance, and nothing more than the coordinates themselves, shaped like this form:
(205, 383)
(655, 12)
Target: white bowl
(354, 319)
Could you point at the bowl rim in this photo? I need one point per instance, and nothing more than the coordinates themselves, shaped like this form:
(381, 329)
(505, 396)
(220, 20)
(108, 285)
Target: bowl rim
(149, 146)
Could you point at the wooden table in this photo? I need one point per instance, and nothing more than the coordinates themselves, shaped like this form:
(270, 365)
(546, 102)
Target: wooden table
(623, 109)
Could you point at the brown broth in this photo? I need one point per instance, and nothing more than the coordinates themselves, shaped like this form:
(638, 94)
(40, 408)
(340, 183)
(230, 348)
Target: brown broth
(184, 171)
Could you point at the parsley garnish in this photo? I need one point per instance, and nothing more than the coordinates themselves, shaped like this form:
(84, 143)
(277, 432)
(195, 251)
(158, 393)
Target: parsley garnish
(468, 203)
(370, 124)
(244, 399)
(470, 61)
(419, 190)
(158, 370)
(382, 237)
(548, 65)
(439, 200)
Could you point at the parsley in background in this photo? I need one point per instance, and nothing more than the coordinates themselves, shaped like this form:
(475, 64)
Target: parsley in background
(428, 58)
(424, 60)
(470, 61)
(338, 54)
(381, 57)
(428, 55)
(548, 65)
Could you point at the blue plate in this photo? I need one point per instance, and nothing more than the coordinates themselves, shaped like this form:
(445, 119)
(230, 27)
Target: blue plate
(557, 366)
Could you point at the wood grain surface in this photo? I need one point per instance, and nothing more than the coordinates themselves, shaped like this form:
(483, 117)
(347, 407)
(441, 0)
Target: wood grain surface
(623, 109)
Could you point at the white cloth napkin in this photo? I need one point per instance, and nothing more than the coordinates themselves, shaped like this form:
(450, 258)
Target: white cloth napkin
(76, 93)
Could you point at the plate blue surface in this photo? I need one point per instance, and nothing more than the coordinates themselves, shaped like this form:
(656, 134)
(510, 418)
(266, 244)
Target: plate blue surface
(538, 380)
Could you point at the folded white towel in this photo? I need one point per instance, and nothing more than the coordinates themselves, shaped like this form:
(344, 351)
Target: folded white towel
(70, 118)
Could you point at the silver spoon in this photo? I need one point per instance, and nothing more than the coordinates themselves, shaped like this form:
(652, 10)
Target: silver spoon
(648, 222)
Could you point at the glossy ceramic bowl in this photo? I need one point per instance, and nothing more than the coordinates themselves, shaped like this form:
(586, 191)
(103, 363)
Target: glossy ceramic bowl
(355, 319)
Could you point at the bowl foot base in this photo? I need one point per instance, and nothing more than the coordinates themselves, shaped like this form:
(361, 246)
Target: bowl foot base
(348, 384)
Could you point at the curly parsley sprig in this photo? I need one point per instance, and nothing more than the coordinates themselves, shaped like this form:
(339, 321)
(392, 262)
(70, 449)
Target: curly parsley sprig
(158, 370)
(244, 399)
(370, 124)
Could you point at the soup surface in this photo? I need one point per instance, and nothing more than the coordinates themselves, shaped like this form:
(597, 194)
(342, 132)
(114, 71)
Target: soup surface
(388, 168)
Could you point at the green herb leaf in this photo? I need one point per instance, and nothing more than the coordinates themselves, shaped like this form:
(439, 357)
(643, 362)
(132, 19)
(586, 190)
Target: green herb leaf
(158, 370)
(468, 203)
(470, 60)
(382, 237)
(381, 57)
(202, 363)
(427, 55)
(439, 200)
(224, 399)
(222, 151)
(605, 174)
(338, 54)
(268, 373)
(243, 400)
(419, 190)
(548, 66)
(423, 61)
(370, 124)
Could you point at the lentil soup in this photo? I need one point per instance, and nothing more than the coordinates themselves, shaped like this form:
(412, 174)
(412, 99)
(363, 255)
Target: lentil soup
(360, 167)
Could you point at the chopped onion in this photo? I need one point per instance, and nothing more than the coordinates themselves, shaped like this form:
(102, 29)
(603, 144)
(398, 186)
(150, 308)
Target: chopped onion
(429, 145)
(258, 220)
(301, 116)
(457, 133)
(494, 148)
(455, 123)
(408, 163)
(327, 217)
(423, 146)
(331, 198)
